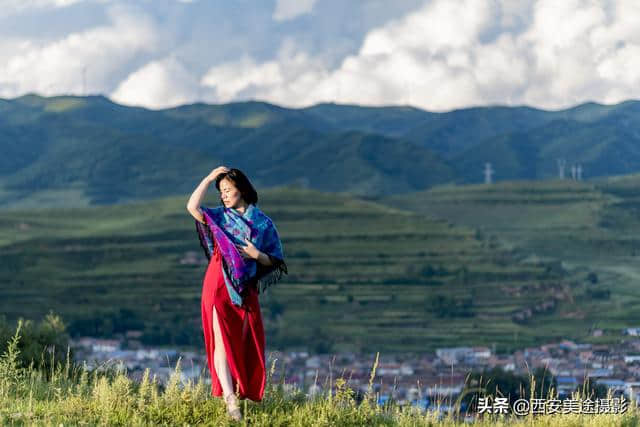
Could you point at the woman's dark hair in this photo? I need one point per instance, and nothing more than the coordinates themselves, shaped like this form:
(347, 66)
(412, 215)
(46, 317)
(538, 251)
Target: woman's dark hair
(240, 180)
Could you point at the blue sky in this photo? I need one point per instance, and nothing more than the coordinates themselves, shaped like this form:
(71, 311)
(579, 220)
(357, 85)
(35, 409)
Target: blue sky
(434, 54)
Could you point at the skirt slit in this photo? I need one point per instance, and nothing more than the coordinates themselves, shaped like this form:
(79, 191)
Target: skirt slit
(242, 334)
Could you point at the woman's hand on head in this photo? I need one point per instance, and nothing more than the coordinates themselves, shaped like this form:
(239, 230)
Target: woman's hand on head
(217, 171)
(248, 250)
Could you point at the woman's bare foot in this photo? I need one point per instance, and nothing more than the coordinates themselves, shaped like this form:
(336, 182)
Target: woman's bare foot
(233, 407)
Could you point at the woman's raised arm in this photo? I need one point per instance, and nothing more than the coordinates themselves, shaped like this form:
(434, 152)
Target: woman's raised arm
(193, 205)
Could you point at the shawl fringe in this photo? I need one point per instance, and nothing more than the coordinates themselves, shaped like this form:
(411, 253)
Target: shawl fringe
(274, 276)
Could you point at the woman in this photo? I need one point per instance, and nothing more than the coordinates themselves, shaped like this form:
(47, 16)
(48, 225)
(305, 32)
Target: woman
(245, 257)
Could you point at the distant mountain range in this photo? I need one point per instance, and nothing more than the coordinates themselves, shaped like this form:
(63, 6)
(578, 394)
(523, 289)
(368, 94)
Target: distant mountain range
(90, 150)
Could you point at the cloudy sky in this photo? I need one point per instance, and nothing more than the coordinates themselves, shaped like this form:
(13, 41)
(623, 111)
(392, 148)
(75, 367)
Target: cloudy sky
(434, 54)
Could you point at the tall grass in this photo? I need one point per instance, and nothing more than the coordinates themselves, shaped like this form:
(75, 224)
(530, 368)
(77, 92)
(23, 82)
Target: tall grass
(72, 394)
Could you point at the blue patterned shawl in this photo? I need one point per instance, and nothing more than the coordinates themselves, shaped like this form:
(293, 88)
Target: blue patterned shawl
(226, 227)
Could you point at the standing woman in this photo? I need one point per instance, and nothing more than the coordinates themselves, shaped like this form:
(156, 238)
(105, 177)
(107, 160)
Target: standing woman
(245, 257)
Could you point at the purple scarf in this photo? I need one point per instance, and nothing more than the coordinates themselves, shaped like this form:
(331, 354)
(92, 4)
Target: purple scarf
(226, 227)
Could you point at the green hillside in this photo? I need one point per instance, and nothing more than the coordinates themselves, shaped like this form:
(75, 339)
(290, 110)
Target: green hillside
(605, 147)
(591, 228)
(92, 151)
(512, 264)
(362, 276)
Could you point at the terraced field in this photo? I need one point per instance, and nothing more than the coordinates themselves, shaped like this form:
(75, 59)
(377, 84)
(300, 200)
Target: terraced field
(362, 276)
(588, 227)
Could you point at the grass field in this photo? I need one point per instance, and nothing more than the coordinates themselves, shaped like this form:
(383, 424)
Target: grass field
(69, 393)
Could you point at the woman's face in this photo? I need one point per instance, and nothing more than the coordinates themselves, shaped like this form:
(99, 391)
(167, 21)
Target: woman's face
(231, 197)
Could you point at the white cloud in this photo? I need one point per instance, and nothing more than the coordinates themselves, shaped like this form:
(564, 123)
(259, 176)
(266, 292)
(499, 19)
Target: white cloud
(51, 67)
(11, 7)
(456, 53)
(290, 9)
(159, 84)
(446, 54)
(291, 73)
(230, 79)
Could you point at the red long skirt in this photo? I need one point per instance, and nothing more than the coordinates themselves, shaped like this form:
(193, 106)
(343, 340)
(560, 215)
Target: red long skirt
(242, 334)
